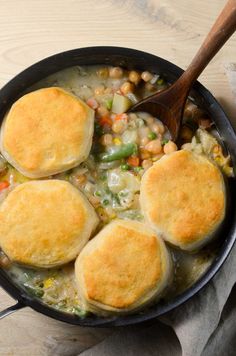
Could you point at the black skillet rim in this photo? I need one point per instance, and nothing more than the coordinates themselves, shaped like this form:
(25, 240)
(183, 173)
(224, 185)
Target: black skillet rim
(129, 58)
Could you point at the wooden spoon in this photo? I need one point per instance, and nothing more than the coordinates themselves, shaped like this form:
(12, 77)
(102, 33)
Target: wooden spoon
(168, 105)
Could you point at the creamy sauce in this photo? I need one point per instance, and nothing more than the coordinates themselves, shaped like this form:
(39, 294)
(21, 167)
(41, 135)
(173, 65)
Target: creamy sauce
(111, 185)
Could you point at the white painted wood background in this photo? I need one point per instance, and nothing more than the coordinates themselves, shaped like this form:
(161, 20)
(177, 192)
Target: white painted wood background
(33, 29)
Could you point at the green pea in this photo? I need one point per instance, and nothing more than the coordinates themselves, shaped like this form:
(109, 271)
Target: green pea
(125, 167)
(152, 136)
(163, 142)
(138, 169)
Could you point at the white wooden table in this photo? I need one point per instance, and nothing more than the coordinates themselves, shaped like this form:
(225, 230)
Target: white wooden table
(31, 30)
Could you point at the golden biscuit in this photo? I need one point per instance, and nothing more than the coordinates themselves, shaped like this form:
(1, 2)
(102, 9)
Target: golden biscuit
(122, 268)
(45, 223)
(183, 199)
(46, 132)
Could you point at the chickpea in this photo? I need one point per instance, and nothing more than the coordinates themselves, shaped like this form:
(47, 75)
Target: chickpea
(119, 126)
(204, 123)
(144, 141)
(103, 73)
(144, 154)
(158, 128)
(157, 157)
(99, 90)
(154, 146)
(150, 120)
(127, 87)
(170, 147)
(186, 134)
(106, 140)
(147, 163)
(78, 180)
(143, 131)
(146, 76)
(134, 77)
(102, 111)
(116, 72)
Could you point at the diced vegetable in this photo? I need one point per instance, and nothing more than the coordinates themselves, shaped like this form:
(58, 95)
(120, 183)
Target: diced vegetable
(120, 104)
(108, 103)
(105, 121)
(133, 161)
(130, 136)
(123, 152)
(4, 185)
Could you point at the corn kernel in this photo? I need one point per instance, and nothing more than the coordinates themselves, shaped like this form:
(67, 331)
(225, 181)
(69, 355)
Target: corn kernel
(117, 141)
(48, 282)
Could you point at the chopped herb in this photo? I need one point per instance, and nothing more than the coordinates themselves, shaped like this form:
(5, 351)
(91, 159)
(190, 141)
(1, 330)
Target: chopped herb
(80, 312)
(98, 193)
(103, 177)
(123, 194)
(116, 198)
(105, 202)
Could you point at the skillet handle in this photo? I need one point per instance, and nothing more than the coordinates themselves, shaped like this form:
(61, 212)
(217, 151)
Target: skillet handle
(11, 309)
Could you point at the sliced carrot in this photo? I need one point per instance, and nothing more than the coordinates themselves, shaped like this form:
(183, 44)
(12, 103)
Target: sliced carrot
(133, 161)
(4, 185)
(121, 117)
(105, 120)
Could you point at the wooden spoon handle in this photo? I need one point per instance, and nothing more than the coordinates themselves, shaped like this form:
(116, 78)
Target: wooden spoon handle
(223, 28)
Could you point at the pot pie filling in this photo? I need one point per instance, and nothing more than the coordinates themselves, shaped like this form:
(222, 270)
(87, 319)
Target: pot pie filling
(124, 147)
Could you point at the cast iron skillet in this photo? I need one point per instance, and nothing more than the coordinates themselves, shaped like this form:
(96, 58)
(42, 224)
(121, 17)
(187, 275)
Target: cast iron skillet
(128, 58)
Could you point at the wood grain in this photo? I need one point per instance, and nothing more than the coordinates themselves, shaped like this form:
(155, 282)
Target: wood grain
(31, 30)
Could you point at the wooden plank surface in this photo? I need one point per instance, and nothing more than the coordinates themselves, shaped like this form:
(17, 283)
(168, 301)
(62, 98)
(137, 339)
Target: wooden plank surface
(31, 30)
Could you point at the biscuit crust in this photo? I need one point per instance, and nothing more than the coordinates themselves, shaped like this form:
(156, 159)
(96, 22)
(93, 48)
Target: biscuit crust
(124, 267)
(183, 198)
(45, 223)
(46, 132)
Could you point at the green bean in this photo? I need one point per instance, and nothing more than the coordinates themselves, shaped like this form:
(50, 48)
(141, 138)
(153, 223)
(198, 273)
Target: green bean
(123, 152)
(34, 291)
